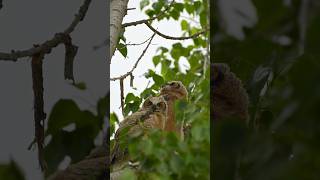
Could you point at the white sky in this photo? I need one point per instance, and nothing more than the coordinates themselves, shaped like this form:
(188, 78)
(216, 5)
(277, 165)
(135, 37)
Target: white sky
(138, 34)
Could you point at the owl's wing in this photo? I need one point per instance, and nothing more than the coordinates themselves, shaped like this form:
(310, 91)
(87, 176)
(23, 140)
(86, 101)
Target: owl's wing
(127, 127)
(156, 120)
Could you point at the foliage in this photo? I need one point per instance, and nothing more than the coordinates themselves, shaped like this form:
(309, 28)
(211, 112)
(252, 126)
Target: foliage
(11, 171)
(281, 140)
(67, 142)
(162, 155)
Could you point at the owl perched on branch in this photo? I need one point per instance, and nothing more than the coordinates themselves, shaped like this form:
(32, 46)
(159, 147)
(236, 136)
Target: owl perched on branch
(172, 91)
(229, 98)
(152, 115)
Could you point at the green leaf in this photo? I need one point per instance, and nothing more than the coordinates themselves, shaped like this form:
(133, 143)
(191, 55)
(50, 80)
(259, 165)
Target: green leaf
(159, 5)
(203, 18)
(122, 49)
(63, 143)
(163, 50)
(175, 15)
(80, 85)
(128, 174)
(150, 12)
(189, 8)
(66, 112)
(158, 80)
(11, 171)
(156, 60)
(131, 98)
(103, 106)
(165, 66)
(184, 25)
(144, 3)
(176, 51)
(178, 6)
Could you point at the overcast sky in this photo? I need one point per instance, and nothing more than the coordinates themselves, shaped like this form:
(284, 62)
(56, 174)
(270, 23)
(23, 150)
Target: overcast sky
(24, 23)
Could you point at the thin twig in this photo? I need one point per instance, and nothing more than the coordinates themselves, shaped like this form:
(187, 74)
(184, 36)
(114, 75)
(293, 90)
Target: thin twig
(150, 19)
(137, 44)
(122, 96)
(136, 64)
(50, 44)
(176, 38)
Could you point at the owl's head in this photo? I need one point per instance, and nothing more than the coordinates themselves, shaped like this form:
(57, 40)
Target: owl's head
(174, 90)
(219, 70)
(155, 104)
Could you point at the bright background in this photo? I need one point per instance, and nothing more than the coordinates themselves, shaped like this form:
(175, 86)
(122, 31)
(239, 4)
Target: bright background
(138, 34)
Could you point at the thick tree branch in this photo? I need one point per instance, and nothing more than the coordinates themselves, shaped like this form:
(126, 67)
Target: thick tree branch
(118, 9)
(176, 38)
(47, 46)
(95, 166)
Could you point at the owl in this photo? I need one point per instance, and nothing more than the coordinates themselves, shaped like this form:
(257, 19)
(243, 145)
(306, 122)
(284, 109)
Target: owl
(229, 98)
(152, 115)
(172, 91)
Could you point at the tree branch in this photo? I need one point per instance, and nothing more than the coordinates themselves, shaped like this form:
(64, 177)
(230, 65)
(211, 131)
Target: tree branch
(176, 38)
(136, 64)
(39, 115)
(95, 166)
(118, 9)
(148, 20)
(47, 46)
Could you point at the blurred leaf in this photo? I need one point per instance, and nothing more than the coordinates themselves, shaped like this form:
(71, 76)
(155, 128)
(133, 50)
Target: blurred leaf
(11, 171)
(80, 85)
(144, 3)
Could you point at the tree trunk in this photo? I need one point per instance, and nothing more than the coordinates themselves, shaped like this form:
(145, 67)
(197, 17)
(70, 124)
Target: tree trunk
(118, 9)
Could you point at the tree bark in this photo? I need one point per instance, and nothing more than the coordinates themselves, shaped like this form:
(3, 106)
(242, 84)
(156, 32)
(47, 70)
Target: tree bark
(118, 9)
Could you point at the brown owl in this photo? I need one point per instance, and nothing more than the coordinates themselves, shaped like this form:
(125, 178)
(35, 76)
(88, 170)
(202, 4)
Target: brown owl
(172, 91)
(152, 115)
(229, 98)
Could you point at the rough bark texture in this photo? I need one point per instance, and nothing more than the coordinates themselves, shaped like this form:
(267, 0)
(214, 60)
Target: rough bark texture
(94, 166)
(118, 9)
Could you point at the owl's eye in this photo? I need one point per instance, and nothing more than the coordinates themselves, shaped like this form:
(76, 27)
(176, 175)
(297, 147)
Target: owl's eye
(147, 103)
(161, 105)
(175, 85)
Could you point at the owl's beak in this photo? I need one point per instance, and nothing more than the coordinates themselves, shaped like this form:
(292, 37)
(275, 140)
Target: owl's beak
(154, 107)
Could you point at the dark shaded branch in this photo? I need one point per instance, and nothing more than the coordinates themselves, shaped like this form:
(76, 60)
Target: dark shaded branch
(94, 167)
(176, 38)
(50, 44)
(39, 115)
(136, 64)
(148, 20)
(71, 52)
(1, 5)
(78, 17)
